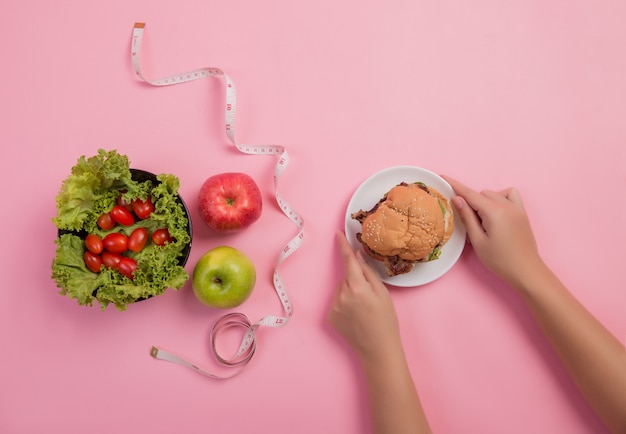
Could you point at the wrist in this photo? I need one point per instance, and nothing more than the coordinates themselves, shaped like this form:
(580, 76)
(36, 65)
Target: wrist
(386, 357)
(386, 369)
(531, 278)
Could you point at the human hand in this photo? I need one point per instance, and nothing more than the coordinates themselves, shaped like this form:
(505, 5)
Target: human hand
(362, 310)
(499, 230)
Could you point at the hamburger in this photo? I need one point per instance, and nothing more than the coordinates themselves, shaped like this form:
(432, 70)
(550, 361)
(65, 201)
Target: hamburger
(409, 224)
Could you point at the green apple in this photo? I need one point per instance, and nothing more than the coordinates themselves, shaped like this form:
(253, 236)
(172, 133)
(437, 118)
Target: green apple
(223, 277)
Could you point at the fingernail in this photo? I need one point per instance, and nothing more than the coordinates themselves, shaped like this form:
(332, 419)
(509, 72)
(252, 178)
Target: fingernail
(359, 256)
(458, 202)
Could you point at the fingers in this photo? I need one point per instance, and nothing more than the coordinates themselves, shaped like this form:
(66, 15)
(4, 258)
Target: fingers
(467, 203)
(476, 200)
(514, 196)
(344, 247)
(350, 262)
(505, 196)
(370, 274)
(497, 196)
(473, 224)
(480, 201)
(358, 271)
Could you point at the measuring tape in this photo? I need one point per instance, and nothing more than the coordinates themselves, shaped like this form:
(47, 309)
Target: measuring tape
(248, 344)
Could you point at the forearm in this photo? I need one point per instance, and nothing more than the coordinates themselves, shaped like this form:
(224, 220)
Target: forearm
(394, 403)
(595, 360)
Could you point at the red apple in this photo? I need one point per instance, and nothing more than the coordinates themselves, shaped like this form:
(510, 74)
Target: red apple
(230, 201)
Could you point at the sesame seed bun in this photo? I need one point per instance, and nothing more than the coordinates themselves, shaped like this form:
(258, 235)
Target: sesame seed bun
(409, 224)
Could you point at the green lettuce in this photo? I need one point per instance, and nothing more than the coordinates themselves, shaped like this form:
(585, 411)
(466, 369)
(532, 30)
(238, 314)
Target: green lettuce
(435, 254)
(92, 189)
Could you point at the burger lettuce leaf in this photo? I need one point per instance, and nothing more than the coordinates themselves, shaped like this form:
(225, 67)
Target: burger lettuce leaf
(435, 254)
(444, 211)
(92, 189)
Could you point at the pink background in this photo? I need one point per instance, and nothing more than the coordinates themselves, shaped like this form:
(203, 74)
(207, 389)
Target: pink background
(523, 93)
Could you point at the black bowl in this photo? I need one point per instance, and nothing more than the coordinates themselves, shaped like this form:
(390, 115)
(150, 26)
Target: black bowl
(142, 176)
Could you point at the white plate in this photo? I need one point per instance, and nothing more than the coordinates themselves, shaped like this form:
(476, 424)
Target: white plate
(372, 190)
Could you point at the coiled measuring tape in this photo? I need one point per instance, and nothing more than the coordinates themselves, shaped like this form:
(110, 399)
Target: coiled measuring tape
(248, 344)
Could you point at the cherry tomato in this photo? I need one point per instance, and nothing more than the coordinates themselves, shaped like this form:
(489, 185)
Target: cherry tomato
(115, 242)
(93, 243)
(143, 209)
(161, 236)
(106, 222)
(122, 216)
(138, 239)
(92, 261)
(110, 259)
(121, 202)
(127, 267)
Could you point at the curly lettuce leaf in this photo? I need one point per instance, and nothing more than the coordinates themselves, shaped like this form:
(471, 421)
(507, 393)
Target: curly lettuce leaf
(158, 270)
(92, 189)
(93, 179)
(71, 274)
